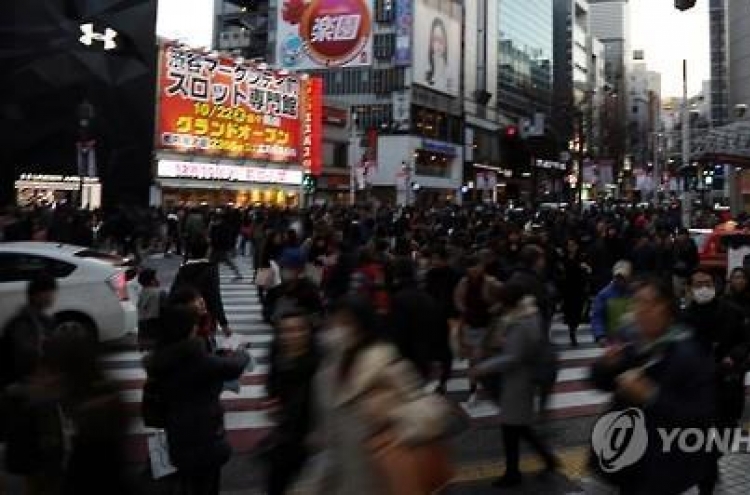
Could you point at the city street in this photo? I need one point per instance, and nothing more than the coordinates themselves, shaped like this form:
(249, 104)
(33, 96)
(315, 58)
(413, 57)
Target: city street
(478, 452)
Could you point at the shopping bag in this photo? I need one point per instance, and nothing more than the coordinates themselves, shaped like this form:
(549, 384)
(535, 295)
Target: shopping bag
(158, 454)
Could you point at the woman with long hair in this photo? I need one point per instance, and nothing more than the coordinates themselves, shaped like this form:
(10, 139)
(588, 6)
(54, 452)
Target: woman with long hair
(368, 395)
(438, 52)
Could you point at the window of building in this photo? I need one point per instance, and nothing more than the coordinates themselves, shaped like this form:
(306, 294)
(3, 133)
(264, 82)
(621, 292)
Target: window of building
(635, 109)
(384, 11)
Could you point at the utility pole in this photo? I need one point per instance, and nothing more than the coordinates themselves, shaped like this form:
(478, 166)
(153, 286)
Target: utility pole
(353, 158)
(579, 152)
(686, 195)
(657, 168)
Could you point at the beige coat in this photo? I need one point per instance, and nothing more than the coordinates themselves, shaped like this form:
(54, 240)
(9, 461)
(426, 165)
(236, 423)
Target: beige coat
(382, 391)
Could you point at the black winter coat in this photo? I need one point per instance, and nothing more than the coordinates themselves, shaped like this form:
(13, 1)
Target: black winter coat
(685, 399)
(721, 331)
(189, 381)
(417, 327)
(203, 276)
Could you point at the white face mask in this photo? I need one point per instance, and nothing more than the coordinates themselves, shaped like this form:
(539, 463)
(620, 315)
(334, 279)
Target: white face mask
(334, 338)
(704, 295)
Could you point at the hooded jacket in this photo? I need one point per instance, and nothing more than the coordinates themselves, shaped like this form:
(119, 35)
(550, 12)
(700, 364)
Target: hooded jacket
(189, 381)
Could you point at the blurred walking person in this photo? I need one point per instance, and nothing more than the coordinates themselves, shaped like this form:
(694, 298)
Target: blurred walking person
(375, 417)
(293, 364)
(664, 372)
(521, 328)
(574, 288)
(475, 296)
(440, 283)
(223, 242)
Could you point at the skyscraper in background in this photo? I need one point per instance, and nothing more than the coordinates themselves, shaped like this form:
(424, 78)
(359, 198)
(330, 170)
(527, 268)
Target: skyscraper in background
(738, 30)
(610, 23)
(242, 27)
(525, 59)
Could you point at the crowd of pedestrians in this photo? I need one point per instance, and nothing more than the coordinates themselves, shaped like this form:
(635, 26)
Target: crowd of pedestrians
(370, 305)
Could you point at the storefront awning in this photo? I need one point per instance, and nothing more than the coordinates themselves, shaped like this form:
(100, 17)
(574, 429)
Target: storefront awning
(218, 185)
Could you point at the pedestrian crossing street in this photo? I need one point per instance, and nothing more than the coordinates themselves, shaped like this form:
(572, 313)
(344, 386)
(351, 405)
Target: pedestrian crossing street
(246, 419)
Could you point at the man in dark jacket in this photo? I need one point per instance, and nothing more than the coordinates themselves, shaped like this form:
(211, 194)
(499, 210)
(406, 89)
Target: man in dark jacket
(440, 283)
(22, 340)
(223, 240)
(415, 316)
(295, 290)
(667, 376)
(685, 261)
(202, 275)
(720, 330)
(293, 363)
(189, 381)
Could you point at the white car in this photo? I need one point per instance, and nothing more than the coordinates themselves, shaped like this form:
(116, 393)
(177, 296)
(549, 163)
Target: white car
(92, 286)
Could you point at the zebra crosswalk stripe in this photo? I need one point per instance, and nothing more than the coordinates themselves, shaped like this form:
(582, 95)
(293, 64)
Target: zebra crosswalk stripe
(246, 421)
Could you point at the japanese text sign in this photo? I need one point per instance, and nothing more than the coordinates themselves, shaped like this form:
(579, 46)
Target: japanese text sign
(313, 34)
(211, 105)
(312, 127)
(211, 171)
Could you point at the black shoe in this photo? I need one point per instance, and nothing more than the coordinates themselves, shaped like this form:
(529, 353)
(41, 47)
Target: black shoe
(508, 481)
(440, 389)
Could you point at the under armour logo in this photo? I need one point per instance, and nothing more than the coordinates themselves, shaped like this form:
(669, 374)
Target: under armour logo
(89, 36)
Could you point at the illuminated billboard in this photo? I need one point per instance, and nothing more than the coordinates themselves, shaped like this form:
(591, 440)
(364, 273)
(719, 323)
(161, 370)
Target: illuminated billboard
(216, 106)
(436, 51)
(324, 33)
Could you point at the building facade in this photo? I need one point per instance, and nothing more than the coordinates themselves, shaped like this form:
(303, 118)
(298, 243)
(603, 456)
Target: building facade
(480, 100)
(644, 109)
(738, 16)
(402, 83)
(242, 27)
(572, 89)
(610, 23)
(719, 43)
(79, 62)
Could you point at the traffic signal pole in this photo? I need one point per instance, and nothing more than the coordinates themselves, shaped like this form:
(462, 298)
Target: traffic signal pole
(686, 195)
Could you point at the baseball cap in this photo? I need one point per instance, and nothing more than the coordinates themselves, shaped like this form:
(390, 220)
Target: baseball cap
(622, 268)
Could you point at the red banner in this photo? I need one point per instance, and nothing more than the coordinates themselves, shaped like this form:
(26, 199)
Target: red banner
(211, 105)
(312, 127)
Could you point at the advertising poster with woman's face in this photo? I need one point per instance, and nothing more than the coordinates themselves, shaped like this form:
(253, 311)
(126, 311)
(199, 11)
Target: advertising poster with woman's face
(437, 50)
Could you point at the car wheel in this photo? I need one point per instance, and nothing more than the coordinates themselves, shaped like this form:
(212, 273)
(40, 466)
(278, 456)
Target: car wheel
(72, 320)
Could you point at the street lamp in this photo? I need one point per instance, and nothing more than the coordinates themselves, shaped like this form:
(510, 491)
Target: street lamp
(84, 147)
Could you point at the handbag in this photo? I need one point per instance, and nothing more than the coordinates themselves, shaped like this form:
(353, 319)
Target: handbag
(410, 453)
(419, 469)
(264, 278)
(158, 455)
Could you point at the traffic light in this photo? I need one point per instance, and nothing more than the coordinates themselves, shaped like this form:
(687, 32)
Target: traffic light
(511, 132)
(684, 4)
(309, 183)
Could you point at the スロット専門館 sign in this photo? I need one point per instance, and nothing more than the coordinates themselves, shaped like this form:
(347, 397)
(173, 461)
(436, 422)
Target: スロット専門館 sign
(314, 34)
(212, 105)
